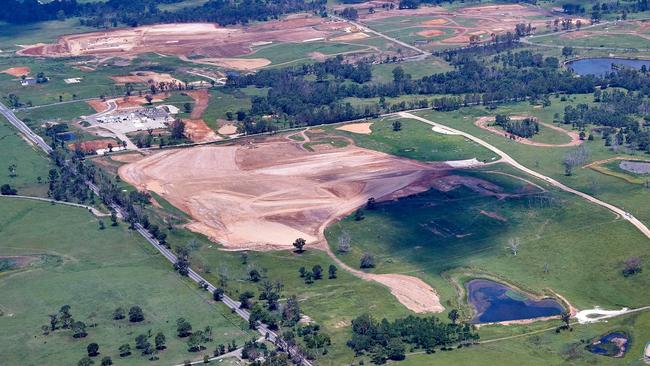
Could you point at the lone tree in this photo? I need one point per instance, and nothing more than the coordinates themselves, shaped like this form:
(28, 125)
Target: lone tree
(344, 242)
(332, 271)
(93, 349)
(107, 361)
(358, 215)
(397, 126)
(513, 245)
(86, 361)
(125, 350)
(118, 314)
(160, 341)
(299, 244)
(135, 314)
(453, 316)
(632, 266)
(317, 271)
(367, 261)
(183, 327)
(574, 158)
(187, 107)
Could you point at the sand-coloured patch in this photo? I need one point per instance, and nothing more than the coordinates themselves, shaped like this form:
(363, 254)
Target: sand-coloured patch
(227, 129)
(351, 37)
(17, 71)
(360, 128)
(484, 123)
(126, 158)
(97, 105)
(244, 64)
(431, 33)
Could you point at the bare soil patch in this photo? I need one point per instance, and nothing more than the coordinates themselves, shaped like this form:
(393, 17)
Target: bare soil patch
(94, 145)
(244, 64)
(351, 37)
(97, 105)
(483, 122)
(198, 131)
(361, 128)
(266, 195)
(127, 158)
(201, 99)
(227, 129)
(198, 40)
(17, 71)
(146, 77)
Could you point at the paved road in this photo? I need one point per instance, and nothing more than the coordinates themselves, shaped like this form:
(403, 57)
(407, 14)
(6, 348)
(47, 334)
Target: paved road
(508, 159)
(24, 129)
(232, 304)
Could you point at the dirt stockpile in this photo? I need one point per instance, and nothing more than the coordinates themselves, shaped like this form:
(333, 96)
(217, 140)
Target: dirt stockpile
(188, 39)
(264, 196)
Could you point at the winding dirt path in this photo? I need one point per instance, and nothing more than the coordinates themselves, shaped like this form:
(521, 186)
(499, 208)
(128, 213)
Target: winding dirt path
(483, 122)
(508, 159)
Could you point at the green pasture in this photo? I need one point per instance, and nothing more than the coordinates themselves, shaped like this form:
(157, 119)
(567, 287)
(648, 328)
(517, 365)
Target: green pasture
(94, 271)
(281, 54)
(30, 163)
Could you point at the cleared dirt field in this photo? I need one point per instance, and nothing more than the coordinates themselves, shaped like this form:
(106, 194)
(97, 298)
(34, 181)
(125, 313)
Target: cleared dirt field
(194, 40)
(266, 195)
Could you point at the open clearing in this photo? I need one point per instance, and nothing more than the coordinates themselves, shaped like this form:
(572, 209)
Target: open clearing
(241, 197)
(197, 42)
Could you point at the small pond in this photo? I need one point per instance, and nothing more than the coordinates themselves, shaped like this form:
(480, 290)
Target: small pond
(636, 167)
(602, 66)
(66, 136)
(613, 344)
(495, 302)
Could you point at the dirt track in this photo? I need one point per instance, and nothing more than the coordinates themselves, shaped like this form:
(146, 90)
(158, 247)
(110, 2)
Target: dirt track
(483, 122)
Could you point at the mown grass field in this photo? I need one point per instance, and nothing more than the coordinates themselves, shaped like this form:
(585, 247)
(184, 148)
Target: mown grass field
(30, 163)
(94, 271)
(416, 141)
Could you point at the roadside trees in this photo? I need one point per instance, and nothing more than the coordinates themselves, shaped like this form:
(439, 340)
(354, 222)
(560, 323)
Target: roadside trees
(367, 261)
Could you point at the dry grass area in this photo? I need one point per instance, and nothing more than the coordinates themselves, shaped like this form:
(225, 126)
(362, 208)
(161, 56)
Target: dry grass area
(227, 129)
(17, 71)
(266, 195)
(199, 40)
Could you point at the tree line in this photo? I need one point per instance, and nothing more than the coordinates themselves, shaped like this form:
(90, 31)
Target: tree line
(385, 340)
(138, 12)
